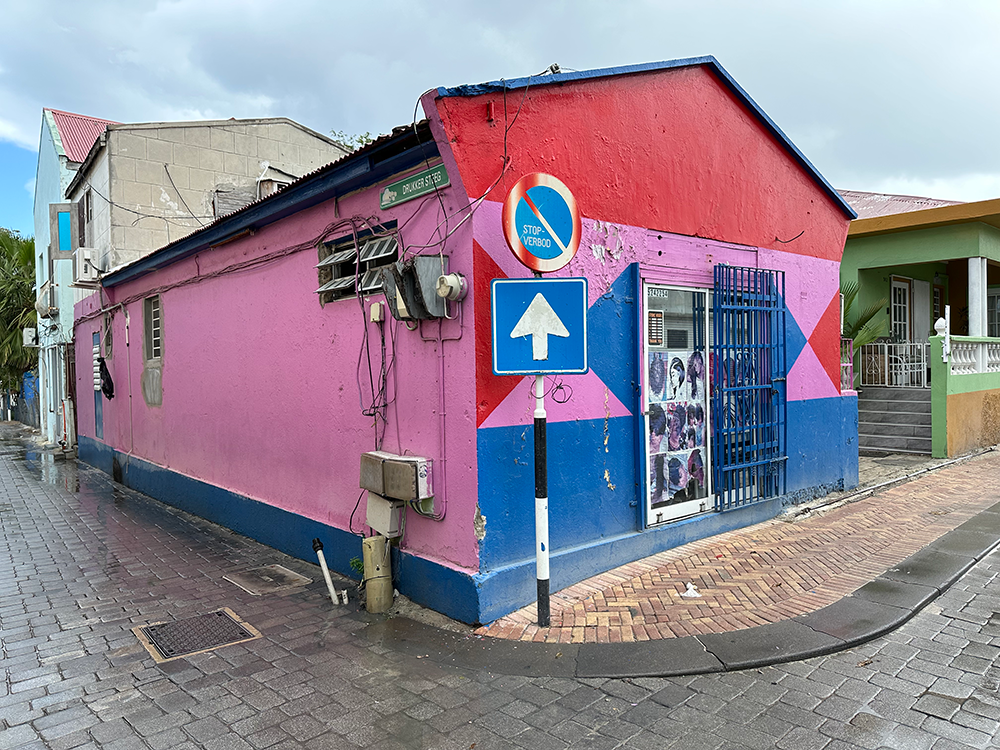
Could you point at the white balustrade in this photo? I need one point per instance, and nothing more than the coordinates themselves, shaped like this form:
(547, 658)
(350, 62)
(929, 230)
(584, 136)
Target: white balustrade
(970, 357)
(964, 356)
(993, 357)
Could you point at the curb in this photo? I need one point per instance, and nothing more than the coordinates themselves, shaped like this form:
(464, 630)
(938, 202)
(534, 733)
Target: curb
(874, 609)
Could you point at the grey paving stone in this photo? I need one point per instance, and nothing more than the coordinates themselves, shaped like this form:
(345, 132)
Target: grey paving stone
(173, 565)
(801, 738)
(17, 736)
(203, 730)
(947, 730)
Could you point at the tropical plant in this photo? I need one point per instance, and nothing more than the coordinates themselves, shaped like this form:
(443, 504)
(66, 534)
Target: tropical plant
(862, 328)
(352, 142)
(17, 306)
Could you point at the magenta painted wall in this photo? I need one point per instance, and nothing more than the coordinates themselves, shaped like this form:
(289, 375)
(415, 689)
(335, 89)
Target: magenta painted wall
(259, 382)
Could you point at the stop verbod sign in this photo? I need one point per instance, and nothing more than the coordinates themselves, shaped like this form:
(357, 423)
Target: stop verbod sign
(541, 222)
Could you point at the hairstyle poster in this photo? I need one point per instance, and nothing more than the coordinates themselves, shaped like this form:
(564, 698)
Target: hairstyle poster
(677, 419)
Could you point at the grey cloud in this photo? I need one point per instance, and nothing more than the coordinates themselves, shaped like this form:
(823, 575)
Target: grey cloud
(868, 90)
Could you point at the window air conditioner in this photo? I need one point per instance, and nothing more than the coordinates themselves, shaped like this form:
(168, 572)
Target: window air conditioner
(84, 271)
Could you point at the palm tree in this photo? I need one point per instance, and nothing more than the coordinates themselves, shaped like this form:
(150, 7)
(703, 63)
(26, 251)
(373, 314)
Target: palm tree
(862, 328)
(17, 306)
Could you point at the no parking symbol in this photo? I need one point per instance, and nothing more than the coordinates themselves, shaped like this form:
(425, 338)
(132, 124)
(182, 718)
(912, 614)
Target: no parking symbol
(541, 222)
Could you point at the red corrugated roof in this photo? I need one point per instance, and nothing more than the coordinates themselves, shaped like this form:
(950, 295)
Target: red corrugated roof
(78, 132)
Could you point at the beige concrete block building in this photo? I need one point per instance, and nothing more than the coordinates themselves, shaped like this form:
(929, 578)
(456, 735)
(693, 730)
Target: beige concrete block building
(145, 185)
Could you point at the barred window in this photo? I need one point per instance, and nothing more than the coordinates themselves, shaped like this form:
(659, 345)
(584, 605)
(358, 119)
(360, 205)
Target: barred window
(153, 328)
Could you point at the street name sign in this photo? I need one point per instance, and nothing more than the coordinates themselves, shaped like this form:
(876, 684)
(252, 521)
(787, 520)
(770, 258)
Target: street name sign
(539, 326)
(414, 186)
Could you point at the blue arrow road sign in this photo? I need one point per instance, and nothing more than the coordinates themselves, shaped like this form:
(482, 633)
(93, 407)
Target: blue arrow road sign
(539, 326)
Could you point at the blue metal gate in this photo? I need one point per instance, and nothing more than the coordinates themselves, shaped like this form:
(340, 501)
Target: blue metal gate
(748, 385)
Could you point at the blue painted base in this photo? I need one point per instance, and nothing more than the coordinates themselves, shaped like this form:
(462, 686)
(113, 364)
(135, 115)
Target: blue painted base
(594, 518)
(822, 444)
(430, 584)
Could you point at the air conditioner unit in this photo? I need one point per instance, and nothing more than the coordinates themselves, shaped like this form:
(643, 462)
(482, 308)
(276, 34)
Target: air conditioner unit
(30, 338)
(397, 477)
(84, 271)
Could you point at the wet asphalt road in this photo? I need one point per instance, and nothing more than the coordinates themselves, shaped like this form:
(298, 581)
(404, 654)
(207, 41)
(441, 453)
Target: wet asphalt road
(85, 560)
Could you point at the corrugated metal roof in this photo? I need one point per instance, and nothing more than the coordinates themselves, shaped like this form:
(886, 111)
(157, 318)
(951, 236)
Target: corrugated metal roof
(78, 132)
(979, 212)
(366, 165)
(869, 205)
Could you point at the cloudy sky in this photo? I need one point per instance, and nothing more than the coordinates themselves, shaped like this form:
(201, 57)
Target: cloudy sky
(882, 95)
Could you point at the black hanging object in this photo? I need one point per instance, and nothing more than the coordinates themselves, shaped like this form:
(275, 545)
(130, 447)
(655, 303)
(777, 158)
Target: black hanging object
(107, 384)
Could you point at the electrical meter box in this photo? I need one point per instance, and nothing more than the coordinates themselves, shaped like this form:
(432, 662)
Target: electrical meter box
(372, 475)
(384, 515)
(408, 478)
(397, 477)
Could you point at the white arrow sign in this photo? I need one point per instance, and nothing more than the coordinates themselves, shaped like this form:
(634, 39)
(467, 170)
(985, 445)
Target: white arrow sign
(539, 321)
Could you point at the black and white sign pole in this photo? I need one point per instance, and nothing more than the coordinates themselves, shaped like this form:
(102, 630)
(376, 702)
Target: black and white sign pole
(541, 505)
(539, 215)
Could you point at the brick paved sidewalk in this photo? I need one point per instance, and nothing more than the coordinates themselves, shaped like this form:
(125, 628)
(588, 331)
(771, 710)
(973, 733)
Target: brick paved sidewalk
(765, 573)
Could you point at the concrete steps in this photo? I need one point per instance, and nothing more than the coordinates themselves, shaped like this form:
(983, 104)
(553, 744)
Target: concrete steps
(897, 420)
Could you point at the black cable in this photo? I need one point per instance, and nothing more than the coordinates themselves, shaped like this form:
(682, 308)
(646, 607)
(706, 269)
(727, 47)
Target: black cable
(350, 521)
(140, 214)
(167, 170)
(475, 204)
(238, 267)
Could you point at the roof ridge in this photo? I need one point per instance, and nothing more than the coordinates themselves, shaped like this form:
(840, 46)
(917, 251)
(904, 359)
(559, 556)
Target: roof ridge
(77, 133)
(77, 114)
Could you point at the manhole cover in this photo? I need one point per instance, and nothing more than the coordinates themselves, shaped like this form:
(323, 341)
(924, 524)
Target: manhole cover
(267, 580)
(192, 635)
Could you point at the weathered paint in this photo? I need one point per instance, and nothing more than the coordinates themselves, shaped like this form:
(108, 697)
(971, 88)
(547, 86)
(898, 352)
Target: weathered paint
(973, 420)
(658, 150)
(725, 194)
(965, 409)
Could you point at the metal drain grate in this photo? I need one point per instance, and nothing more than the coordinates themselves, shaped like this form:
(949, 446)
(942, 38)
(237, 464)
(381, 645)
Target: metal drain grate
(192, 635)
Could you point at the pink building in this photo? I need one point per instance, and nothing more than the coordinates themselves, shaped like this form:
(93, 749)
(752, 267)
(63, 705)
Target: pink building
(256, 360)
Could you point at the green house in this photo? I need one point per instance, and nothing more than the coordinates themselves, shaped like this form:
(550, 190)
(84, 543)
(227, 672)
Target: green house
(932, 384)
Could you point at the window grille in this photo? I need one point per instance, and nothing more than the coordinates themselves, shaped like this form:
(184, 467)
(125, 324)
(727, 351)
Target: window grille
(153, 325)
(748, 374)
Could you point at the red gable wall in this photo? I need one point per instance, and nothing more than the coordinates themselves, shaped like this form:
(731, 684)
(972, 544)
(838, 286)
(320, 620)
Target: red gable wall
(672, 150)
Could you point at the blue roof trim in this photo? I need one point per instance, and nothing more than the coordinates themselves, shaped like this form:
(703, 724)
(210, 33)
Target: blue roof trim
(708, 61)
(579, 75)
(339, 178)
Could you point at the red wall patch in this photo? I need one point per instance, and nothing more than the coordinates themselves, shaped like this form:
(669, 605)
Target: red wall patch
(490, 389)
(825, 340)
(671, 150)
